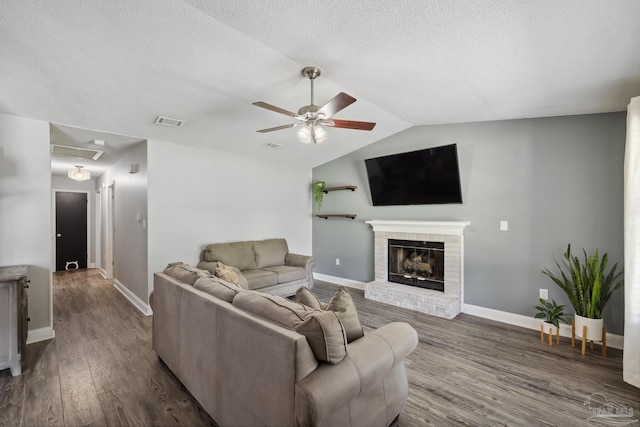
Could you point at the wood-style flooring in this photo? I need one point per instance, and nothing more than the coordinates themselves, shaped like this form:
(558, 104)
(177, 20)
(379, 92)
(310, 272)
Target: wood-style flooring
(100, 369)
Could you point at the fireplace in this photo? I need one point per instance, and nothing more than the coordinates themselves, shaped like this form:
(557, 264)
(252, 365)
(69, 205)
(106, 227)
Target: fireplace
(419, 265)
(416, 263)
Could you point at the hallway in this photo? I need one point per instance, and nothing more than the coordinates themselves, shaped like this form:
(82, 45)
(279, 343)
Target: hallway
(99, 370)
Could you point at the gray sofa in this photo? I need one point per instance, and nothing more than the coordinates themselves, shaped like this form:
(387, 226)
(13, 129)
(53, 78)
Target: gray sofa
(231, 350)
(264, 265)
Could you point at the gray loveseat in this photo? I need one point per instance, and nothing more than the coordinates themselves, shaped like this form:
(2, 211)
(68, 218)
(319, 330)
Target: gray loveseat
(264, 265)
(229, 348)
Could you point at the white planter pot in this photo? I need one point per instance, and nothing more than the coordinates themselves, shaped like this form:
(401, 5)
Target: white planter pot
(546, 326)
(594, 328)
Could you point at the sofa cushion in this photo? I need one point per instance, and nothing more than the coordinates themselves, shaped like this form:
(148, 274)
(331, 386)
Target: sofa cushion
(342, 303)
(277, 309)
(217, 287)
(185, 272)
(286, 273)
(270, 252)
(257, 279)
(308, 298)
(325, 335)
(237, 254)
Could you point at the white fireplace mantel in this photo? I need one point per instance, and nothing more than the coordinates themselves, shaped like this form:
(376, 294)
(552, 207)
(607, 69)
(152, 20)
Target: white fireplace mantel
(427, 227)
(445, 304)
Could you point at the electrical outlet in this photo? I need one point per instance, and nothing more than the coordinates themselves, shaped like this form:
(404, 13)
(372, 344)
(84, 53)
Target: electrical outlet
(337, 261)
(544, 293)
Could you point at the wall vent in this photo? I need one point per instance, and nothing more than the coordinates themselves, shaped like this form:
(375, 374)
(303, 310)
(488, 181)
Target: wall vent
(168, 121)
(272, 145)
(84, 153)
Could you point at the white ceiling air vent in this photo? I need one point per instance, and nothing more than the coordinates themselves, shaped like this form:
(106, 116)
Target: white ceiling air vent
(84, 153)
(168, 121)
(272, 145)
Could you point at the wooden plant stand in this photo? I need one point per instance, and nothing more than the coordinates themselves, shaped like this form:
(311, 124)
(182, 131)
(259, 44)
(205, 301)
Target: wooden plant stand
(550, 335)
(584, 340)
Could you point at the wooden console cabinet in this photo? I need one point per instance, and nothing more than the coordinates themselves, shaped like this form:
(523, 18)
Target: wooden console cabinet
(13, 317)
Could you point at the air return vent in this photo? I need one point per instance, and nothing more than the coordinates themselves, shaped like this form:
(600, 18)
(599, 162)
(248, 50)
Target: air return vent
(84, 153)
(168, 121)
(272, 145)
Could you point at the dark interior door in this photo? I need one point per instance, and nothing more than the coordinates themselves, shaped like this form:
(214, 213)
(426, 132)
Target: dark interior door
(71, 231)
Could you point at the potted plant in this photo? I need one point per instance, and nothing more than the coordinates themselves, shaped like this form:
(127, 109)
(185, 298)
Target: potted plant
(318, 192)
(588, 288)
(552, 313)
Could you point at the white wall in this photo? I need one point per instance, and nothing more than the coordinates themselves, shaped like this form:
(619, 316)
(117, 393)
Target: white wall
(25, 209)
(201, 196)
(130, 250)
(64, 183)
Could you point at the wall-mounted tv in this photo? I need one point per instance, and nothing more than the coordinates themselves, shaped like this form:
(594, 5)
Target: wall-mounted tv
(423, 177)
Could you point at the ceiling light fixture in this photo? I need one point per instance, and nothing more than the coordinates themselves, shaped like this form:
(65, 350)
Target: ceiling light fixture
(312, 133)
(79, 174)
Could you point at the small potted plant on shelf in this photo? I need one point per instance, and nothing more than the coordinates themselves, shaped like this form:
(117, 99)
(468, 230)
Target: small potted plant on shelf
(318, 192)
(588, 287)
(552, 313)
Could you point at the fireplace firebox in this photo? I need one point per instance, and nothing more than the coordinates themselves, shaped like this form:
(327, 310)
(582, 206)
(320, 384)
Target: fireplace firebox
(417, 263)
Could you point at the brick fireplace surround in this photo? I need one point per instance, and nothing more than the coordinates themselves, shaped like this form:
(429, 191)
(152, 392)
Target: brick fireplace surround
(447, 304)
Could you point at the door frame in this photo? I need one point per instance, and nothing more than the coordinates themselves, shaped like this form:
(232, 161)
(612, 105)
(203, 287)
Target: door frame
(53, 225)
(106, 229)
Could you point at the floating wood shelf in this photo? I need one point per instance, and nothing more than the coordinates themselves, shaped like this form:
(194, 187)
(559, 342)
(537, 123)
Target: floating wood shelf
(343, 187)
(327, 216)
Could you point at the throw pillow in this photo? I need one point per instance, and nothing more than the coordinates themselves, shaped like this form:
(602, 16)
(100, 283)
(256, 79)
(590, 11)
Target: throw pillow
(226, 273)
(325, 336)
(308, 298)
(342, 303)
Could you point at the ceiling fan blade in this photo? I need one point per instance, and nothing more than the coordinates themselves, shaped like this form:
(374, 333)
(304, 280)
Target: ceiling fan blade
(350, 124)
(274, 108)
(335, 104)
(276, 128)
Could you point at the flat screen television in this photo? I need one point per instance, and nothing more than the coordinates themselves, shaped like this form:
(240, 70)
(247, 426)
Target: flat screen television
(424, 177)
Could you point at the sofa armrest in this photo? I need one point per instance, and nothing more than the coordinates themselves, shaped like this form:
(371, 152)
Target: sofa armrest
(305, 261)
(368, 360)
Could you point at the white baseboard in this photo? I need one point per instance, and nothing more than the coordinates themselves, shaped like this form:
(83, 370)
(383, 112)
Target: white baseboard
(613, 340)
(40, 334)
(339, 281)
(133, 298)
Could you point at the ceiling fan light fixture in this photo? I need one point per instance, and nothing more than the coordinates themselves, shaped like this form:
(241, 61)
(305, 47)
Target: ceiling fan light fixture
(79, 174)
(312, 134)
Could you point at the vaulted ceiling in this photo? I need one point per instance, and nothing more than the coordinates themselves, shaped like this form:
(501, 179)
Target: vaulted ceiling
(114, 66)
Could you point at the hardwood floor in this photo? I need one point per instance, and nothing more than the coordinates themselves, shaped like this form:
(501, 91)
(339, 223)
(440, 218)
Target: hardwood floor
(100, 369)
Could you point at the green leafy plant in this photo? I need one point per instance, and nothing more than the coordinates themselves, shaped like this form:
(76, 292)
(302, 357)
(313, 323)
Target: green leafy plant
(318, 192)
(587, 284)
(551, 312)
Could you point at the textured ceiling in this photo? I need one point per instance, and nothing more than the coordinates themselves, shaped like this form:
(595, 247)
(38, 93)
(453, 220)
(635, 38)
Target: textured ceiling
(113, 66)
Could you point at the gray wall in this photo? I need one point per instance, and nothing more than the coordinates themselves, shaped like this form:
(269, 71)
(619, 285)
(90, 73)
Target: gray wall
(556, 180)
(130, 200)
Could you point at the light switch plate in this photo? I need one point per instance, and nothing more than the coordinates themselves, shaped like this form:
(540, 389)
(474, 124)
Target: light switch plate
(504, 225)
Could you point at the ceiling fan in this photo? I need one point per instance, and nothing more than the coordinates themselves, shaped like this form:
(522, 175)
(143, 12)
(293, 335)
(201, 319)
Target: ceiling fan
(312, 117)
